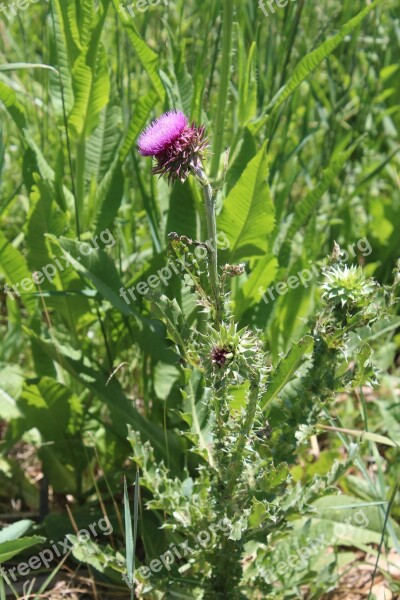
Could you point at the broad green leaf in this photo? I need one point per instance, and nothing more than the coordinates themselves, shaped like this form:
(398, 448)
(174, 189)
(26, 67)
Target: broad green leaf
(165, 377)
(247, 216)
(8, 406)
(14, 547)
(15, 531)
(246, 150)
(122, 411)
(82, 81)
(100, 93)
(91, 85)
(98, 268)
(182, 214)
(61, 85)
(15, 109)
(48, 173)
(44, 217)
(101, 146)
(90, 77)
(286, 369)
(63, 476)
(51, 408)
(109, 195)
(110, 190)
(261, 276)
(15, 269)
(11, 381)
(80, 26)
(349, 520)
(177, 80)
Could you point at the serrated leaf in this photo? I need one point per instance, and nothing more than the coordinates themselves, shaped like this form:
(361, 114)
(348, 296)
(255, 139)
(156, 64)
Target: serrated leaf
(286, 369)
(248, 213)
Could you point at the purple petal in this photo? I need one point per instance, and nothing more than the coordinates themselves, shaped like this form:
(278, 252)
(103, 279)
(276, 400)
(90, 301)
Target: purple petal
(161, 133)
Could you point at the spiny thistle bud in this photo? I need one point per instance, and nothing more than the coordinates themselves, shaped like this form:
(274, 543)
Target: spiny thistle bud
(236, 355)
(346, 286)
(178, 147)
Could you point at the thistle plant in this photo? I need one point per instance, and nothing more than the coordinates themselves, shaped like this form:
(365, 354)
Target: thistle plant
(244, 430)
(179, 149)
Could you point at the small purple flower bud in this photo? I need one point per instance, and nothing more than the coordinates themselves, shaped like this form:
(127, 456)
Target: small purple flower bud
(177, 146)
(221, 356)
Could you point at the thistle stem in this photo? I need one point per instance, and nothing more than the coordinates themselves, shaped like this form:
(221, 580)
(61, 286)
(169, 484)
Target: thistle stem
(212, 239)
(237, 463)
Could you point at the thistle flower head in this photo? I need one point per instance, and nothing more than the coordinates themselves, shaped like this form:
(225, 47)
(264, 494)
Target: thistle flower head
(177, 146)
(235, 354)
(162, 132)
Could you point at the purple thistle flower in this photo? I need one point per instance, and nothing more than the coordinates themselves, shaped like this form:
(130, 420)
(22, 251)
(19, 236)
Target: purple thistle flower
(161, 133)
(177, 146)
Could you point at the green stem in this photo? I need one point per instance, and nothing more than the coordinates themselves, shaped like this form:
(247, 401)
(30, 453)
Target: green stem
(236, 466)
(227, 26)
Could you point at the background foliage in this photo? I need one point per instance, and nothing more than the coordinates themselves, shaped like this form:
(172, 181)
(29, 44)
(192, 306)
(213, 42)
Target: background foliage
(307, 101)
